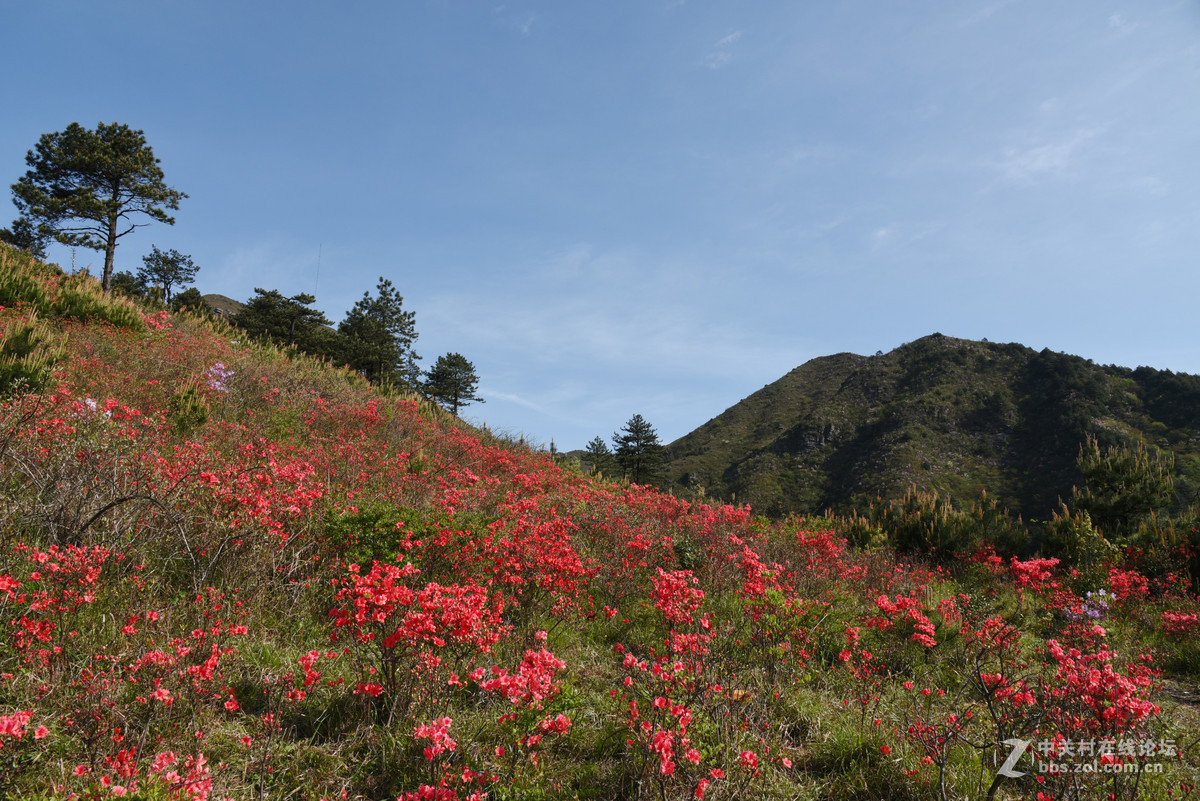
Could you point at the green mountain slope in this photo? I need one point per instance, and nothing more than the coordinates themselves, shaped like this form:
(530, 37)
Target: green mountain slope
(954, 415)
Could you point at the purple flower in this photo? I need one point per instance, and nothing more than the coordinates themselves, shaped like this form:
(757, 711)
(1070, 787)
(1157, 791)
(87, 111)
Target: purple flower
(218, 374)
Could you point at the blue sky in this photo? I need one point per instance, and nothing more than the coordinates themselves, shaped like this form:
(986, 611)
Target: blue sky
(659, 206)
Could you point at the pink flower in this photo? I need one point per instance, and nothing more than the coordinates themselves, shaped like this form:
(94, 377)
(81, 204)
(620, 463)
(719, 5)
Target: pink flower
(41, 732)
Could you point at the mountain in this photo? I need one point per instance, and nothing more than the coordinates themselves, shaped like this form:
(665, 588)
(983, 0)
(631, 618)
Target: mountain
(223, 306)
(954, 415)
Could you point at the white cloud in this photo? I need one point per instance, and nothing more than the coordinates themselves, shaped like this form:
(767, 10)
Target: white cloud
(984, 13)
(898, 235)
(522, 22)
(511, 398)
(1030, 163)
(722, 52)
(730, 39)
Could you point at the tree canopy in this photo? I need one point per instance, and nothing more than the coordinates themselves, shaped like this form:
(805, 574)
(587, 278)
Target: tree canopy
(381, 335)
(452, 382)
(638, 451)
(600, 457)
(85, 188)
(23, 235)
(1123, 484)
(166, 270)
(288, 322)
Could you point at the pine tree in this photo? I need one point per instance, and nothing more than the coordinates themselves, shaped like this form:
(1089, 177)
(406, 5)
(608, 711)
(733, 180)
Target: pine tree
(381, 336)
(85, 187)
(638, 451)
(1123, 485)
(452, 382)
(166, 270)
(600, 457)
(24, 235)
(289, 322)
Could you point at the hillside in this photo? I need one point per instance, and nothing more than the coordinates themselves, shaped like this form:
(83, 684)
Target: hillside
(230, 572)
(226, 307)
(940, 413)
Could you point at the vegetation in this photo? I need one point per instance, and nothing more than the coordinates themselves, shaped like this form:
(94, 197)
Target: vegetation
(380, 336)
(599, 458)
(163, 271)
(637, 451)
(288, 322)
(939, 415)
(23, 235)
(452, 382)
(228, 570)
(86, 188)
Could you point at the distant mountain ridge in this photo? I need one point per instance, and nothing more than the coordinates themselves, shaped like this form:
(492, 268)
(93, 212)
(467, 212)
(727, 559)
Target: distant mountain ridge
(955, 415)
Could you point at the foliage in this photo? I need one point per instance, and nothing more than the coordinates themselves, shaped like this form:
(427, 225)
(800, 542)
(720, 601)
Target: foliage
(637, 450)
(85, 187)
(942, 414)
(1071, 537)
(288, 322)
(127, 285)
(380, 336)
(601, 459)
(1123, 485)
(452, 382)
(52, 295)
(166, 270)
(23, 235)
(28, 349)
(191, 299)
(228, 571)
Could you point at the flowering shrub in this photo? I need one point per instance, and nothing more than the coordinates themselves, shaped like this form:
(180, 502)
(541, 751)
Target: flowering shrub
(337, 594)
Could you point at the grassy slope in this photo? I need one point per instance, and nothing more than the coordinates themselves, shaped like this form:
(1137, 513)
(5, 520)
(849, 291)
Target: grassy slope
(939, 413)
(272, 582)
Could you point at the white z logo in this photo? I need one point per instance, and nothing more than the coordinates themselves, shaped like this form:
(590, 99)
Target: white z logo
(1018, 750)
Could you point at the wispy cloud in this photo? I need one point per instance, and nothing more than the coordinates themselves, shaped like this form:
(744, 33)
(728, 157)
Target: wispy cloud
(985, 13)
(522, 22)
(801, 154)
(722, 52)
(1047, 158)
(586, 312)
(1152, 185)
(898, 235)
(270, 264)
(512, 398)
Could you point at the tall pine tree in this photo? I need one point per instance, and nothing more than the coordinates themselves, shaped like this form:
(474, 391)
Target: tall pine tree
(452, 381)
(638, 451)
(87, 188)
(381, 335)
(600, 457)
